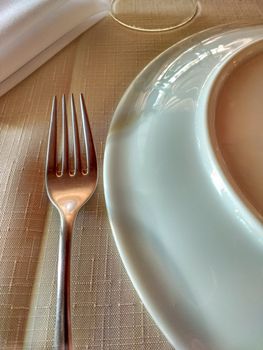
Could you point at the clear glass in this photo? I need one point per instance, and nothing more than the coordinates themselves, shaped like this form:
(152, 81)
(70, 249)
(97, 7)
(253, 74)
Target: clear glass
(153, 15)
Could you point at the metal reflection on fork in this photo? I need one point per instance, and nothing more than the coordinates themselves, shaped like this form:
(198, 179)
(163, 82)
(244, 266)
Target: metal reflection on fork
(68, 189)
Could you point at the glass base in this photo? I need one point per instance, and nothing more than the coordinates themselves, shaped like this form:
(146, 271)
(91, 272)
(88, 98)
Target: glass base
(153, 15)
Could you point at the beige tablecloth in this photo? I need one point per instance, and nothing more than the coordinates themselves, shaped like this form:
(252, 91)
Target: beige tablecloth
(107, 313)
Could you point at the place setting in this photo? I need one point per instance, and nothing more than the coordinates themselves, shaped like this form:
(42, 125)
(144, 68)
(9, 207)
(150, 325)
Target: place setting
(131, 175)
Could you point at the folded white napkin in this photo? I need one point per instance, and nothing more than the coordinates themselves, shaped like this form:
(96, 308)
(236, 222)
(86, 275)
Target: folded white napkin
(31, 31)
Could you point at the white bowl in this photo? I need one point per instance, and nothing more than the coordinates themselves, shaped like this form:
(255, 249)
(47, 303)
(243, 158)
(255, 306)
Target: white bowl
(190, 243)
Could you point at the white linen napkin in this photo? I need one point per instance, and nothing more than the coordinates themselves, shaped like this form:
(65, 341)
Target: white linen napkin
(32, 31)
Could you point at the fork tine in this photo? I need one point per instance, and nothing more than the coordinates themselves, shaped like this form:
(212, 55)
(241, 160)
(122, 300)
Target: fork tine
(76, 143)
(64, 150)
(88, 140)
(51, 158)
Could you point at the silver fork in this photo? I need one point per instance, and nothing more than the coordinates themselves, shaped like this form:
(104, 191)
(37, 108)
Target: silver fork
(68, 189)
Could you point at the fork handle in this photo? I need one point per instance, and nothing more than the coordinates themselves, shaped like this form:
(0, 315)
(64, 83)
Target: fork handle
(63, 333)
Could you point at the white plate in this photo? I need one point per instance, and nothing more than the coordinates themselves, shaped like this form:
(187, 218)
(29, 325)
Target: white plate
(192, 248)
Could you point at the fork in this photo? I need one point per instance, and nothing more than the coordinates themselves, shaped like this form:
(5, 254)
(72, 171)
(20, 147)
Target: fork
(68, 189)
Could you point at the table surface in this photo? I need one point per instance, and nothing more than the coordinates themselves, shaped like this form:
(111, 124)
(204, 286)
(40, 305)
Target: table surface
(107, 313)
